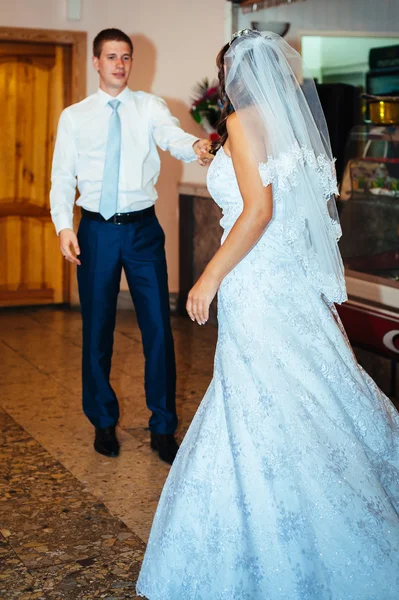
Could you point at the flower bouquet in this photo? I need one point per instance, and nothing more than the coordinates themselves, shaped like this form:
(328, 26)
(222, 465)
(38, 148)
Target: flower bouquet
(205, 108)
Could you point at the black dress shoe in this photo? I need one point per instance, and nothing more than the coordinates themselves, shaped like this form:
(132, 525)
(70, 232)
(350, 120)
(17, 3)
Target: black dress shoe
(105, 441)
(165, 445)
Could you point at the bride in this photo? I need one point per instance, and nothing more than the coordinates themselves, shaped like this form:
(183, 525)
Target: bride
(286, 486)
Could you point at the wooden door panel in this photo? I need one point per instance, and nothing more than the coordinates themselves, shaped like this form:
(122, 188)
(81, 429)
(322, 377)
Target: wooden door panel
(10, 236)
(32, 96)
(8, 100)
(32, 266)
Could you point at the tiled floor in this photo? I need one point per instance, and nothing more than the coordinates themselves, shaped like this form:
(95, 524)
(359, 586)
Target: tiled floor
(72, 523)
(57, 540)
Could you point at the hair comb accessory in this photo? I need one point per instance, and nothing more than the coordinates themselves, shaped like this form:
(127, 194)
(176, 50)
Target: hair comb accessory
(240, 33)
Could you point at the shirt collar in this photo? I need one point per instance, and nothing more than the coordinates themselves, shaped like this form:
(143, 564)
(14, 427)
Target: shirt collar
(123, 97)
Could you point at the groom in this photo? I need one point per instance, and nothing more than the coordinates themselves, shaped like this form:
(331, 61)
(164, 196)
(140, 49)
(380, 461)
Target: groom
(106, 145)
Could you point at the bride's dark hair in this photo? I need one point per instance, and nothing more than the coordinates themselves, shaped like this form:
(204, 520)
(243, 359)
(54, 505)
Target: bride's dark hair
(227, 108)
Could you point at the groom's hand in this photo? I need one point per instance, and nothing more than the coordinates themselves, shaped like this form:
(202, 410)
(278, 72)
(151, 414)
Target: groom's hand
(202, 150)
(69, 246)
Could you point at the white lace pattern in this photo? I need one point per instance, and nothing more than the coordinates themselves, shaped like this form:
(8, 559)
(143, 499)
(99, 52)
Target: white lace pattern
(286, 486)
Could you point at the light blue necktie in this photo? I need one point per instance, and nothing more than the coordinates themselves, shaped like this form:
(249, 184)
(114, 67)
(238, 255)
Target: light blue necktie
(109, 191)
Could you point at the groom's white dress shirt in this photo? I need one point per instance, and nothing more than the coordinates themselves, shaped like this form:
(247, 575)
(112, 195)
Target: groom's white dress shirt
(79, 153)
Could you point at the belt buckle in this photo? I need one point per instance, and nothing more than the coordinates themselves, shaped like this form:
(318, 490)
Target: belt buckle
(115, 219)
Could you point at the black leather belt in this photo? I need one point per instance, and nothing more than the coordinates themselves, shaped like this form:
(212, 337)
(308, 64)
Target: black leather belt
(120, 218)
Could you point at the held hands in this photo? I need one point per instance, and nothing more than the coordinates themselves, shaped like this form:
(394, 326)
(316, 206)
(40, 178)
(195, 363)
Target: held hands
(69, 246)
(202, 150)
(200, 298)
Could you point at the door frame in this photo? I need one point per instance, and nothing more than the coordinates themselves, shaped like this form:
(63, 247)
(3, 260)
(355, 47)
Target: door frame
(77, 40)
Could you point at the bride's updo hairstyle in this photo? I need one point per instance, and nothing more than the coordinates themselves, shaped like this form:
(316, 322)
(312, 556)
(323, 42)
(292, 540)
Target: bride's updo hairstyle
(227, 107)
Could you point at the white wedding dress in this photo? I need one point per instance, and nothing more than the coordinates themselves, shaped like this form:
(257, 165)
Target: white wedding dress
(286, 486)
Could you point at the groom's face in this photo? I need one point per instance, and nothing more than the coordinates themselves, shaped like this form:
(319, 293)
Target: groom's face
(114, 65)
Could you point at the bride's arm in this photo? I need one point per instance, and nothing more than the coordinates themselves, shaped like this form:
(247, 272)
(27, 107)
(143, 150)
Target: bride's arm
(249, 227)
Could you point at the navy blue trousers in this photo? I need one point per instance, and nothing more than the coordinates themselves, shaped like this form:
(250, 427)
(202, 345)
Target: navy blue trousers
(139, 248)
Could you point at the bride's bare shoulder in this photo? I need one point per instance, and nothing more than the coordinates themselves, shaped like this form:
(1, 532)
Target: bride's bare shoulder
(234, 127)
(235, 121)
(232, 122)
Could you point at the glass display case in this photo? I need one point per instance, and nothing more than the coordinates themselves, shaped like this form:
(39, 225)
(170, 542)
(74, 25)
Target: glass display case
(369, 213)
(369, 203)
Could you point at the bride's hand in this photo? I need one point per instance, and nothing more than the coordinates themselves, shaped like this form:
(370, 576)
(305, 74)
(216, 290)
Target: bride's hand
(200, 298)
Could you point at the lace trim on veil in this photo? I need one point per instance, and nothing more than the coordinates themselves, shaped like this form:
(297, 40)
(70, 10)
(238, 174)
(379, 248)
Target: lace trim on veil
(283, 173)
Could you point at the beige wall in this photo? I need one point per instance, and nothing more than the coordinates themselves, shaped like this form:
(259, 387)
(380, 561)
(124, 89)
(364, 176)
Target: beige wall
(176, 42)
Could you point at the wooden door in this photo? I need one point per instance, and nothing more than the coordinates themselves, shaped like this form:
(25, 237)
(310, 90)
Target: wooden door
(34, 88)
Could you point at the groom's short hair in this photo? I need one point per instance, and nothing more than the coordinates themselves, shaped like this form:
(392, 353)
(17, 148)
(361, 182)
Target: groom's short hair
(110, 35)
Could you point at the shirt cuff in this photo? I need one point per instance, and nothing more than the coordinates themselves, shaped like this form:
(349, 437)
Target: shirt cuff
(191, 156)
(62, 221)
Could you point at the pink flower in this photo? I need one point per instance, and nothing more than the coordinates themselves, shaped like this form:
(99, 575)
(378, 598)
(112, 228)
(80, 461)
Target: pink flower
(211, 92)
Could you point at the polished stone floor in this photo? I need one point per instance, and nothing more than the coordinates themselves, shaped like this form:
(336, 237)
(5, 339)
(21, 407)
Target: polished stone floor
(73, 524)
